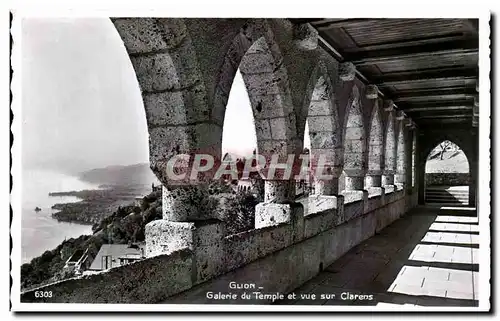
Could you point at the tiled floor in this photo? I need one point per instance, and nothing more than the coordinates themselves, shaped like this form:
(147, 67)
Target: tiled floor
(427, 258)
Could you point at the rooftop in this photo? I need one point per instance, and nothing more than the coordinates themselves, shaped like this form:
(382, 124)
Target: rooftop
(115, 251)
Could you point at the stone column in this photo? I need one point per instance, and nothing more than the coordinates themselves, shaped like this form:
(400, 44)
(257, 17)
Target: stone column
(373, 183)
(354, 191)
(388, 180)
(354, 180)
(420, 183)
(473, 173)
(401, 154)
(326, 193)
(327, 186)
(279, 189)
(400, 180)
(373, 179)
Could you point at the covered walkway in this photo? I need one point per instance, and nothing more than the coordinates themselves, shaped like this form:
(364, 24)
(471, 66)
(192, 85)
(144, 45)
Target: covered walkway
(429, 258)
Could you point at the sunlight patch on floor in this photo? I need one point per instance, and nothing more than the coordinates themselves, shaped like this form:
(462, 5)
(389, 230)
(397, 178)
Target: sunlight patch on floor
(432, 281)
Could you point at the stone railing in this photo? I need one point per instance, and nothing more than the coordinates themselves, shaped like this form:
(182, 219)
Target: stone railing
(448, 179)
(279, 257)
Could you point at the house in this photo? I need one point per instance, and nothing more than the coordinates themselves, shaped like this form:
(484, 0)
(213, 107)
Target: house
(114, 255)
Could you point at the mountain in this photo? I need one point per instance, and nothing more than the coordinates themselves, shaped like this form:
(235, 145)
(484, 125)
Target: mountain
(122, 175)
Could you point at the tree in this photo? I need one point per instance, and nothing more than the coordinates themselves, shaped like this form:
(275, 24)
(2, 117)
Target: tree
(444, 146)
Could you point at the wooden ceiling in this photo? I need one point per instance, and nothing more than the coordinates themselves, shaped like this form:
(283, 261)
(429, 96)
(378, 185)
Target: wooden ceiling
(428, 67)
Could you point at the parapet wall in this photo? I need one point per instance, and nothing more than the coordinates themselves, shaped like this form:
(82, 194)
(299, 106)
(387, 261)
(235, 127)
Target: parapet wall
(277, 258)
(447, 179)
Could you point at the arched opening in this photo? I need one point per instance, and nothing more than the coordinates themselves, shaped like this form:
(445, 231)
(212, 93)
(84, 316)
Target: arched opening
(354, 144)
(257, 56)
(375, 150)
(390, 153)
(447, 175)
(257, 118)
(400, 177)
(305, 185)
(322, 136)
(83, 125)
(239, 139)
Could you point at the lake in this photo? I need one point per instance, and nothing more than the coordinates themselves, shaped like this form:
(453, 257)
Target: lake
(39, 231)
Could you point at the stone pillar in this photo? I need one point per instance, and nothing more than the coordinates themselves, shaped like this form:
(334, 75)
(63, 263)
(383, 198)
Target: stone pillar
(279, 191)
(373, 179)
(189, 222)
(278, 203)
(400, 179)
(421, 179)
(186, 204)
(330, 185)
(373, 183)
(354, 189)
(326, 187)
(388, 180)
(473, 171)
(354, 183)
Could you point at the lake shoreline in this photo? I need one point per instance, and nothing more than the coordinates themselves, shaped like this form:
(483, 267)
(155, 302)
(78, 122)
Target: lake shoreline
(94, 205)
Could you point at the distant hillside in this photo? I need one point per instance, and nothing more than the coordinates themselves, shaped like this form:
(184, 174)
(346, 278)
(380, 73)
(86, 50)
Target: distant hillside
(127, 224)
(123, 175)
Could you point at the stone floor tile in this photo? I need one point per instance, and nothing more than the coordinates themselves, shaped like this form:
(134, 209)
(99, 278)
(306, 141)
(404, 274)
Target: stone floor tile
(437, 274)
(460, 295)
(474, 239)
(410, 280)
(460, 276)
(464, 258)
(465, 287)
(417, 290)
(475, 256)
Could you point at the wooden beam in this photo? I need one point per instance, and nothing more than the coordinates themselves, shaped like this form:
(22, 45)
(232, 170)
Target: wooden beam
(438, 117)
(443, 123)
(428, 75)
(305, 20)
(450, 91)
(450, 103)
(449, 48)
(328, 24)
(455, 36)
(440, 121)
(408, 56)
(459, 107)
(433, 98)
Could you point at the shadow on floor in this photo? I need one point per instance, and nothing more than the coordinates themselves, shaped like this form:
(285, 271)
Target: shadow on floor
(427, 258)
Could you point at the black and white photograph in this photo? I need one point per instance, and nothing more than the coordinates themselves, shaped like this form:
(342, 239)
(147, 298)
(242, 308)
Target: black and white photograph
(240, 162)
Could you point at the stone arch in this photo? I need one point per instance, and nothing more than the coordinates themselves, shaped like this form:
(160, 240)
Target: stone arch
(322, 120)
(428, 141)
(400, 176)
(434, 141)
(173, 92)
(354, 143)
(375, 148)
(448, 176)
(390, 151)
(428, 151)
(256, 54)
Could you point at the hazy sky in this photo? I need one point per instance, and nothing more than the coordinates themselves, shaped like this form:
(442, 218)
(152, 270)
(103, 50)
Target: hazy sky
(81, 104)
